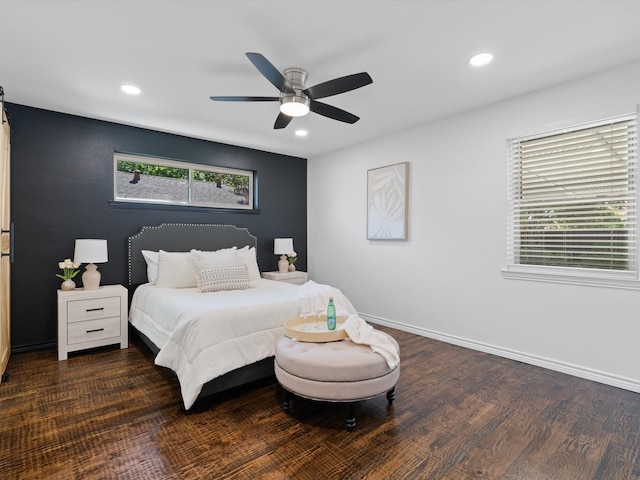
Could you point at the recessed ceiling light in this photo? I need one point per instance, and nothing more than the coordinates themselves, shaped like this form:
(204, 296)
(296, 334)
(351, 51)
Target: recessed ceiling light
(481, 59)
(130, 89)
(302, 133)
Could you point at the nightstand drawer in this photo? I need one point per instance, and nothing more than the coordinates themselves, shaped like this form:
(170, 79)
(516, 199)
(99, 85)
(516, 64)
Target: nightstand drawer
(80, 332)
(81, 310)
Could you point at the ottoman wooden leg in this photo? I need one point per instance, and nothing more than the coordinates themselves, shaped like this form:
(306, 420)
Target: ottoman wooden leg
(351, 416)
(287, 399)
(391, 395)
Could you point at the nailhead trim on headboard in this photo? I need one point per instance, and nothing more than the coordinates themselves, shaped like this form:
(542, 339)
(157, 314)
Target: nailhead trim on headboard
(181, 237)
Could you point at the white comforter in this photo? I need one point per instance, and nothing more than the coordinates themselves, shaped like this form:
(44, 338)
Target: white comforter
(204, 335)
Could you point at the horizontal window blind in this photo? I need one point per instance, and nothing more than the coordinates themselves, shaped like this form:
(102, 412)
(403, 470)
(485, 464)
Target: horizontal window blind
(572, 198)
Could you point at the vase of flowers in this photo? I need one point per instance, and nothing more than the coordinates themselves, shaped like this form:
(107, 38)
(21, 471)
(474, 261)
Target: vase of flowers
(292, 257)
(69, 270)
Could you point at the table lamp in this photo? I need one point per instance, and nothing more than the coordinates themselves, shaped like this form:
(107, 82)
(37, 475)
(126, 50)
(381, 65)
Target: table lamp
(91, 251)
(283, 246)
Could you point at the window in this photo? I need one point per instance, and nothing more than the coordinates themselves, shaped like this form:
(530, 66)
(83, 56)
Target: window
(572, 204)
(160, 181)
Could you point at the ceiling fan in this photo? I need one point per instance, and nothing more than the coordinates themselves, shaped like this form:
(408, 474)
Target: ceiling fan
(296, 100)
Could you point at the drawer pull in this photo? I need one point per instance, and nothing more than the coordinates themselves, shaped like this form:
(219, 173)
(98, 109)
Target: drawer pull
(95, 309)
(95, 330)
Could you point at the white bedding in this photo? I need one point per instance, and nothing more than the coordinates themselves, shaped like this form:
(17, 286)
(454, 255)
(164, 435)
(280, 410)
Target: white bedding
(202, 336)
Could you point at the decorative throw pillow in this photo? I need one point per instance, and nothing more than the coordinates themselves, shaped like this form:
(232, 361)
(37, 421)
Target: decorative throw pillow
(215, 279)
(176, 270)
(248, 258)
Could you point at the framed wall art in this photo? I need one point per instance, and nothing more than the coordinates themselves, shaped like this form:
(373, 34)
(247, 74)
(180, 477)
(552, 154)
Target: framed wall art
(387, 198)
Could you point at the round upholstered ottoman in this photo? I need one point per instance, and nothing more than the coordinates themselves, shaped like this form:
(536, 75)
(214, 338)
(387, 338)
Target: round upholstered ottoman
(340, 371)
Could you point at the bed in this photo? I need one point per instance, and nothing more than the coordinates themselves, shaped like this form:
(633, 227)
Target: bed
(213, 339)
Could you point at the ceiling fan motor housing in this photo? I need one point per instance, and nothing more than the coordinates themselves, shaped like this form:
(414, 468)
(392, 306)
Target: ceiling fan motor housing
(295, 104)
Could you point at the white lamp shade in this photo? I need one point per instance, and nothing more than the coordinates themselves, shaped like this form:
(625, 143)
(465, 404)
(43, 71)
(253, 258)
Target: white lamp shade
(90, 251)
(282, 246)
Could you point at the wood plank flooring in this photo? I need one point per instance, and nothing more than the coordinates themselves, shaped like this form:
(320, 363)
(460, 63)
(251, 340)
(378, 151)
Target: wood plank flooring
(458, 414)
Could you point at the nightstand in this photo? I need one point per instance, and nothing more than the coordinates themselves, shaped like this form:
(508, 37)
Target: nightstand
(296, 277)
(92, 318)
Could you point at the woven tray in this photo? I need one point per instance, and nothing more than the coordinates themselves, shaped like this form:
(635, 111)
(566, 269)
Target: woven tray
(314, 329)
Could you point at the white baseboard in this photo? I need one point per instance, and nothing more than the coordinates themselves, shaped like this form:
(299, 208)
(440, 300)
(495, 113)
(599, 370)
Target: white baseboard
(575, 370)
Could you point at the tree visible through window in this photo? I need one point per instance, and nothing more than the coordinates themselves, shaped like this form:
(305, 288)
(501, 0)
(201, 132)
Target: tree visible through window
(573, 199)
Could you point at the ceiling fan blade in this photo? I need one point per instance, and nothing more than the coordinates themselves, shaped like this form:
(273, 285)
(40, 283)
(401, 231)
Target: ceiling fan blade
(271, 73)
(245, 99)
(282, 121)
(338, 85)
(332, 112)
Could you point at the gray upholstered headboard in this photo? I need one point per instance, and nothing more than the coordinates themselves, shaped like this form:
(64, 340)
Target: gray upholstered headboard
(181, 237)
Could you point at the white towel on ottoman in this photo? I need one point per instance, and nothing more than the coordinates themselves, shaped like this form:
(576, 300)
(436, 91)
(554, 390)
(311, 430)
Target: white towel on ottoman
(361, 332)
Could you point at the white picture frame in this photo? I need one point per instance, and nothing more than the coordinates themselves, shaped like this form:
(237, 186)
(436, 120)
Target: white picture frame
(387, 202)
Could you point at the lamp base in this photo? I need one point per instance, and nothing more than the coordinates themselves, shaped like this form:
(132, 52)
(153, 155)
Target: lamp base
(91, 277)
(283, 264)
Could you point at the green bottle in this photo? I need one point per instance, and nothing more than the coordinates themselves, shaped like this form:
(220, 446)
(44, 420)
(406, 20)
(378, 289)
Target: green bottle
(331, 315)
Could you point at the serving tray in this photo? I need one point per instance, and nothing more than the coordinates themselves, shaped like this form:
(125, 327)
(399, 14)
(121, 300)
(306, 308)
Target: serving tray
(314, 329)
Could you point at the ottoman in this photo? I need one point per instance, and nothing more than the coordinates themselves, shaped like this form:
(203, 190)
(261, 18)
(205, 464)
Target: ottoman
(340, 371)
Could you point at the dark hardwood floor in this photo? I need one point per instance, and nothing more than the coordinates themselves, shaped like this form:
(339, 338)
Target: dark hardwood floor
(458, 414)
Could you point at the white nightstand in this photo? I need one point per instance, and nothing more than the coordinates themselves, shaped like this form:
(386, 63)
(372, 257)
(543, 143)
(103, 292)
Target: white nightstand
(296, 277)
(92, 318)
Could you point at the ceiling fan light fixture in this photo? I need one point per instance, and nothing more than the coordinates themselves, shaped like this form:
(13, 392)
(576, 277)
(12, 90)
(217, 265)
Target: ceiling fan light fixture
(294, 105)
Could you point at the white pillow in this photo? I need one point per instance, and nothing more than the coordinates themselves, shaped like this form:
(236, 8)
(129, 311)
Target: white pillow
(220, 258)
(151, 258)
(248, 258)
(194, 250)
(215, 279)
(176, 270)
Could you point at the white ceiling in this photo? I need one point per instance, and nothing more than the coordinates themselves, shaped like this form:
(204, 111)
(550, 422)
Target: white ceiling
(72, 56)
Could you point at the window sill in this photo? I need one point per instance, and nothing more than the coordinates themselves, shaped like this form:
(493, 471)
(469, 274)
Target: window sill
(631, 283)
(190, 208)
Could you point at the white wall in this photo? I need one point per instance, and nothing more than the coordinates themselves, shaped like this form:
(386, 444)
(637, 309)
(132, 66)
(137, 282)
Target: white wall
(445, 282)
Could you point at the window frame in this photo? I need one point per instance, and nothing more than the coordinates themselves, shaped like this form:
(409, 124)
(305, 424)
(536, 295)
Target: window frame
(567, 274)
(190, 168)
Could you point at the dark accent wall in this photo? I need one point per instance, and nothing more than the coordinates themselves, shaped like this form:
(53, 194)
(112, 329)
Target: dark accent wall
(62, 186)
